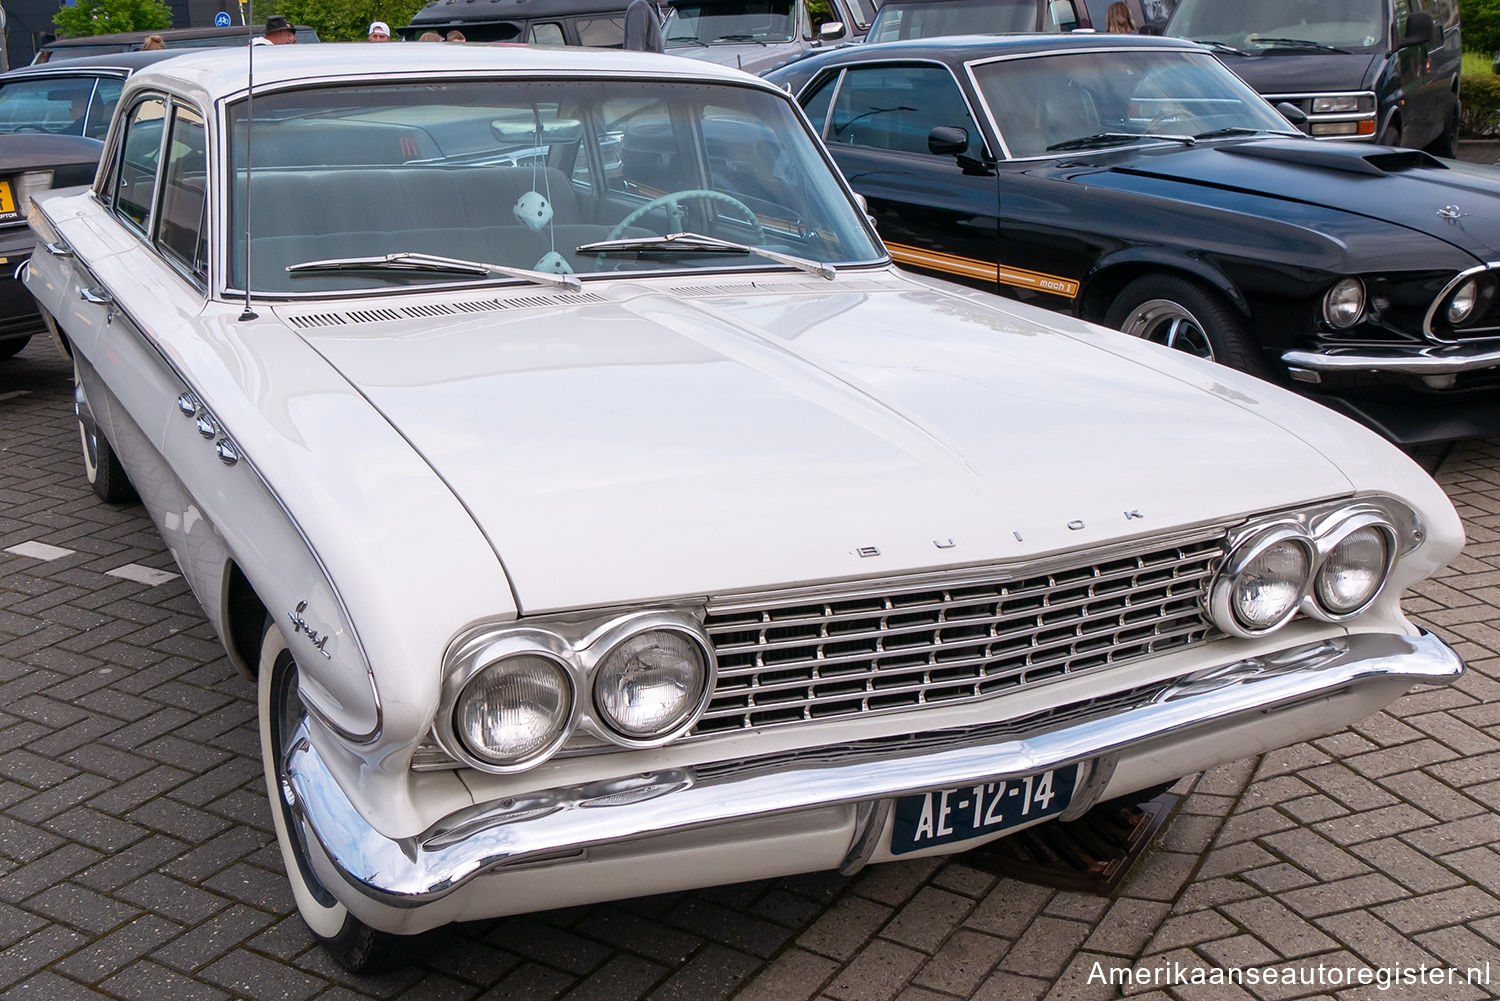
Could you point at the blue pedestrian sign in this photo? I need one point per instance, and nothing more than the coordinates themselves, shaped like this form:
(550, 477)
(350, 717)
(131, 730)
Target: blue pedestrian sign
(221, 19)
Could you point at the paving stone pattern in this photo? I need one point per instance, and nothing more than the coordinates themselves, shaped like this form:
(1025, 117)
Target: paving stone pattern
(137, 861)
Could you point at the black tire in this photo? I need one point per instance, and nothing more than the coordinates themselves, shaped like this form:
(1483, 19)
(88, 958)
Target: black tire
(1185, 315)
(105, 474)
(9, 349)
(353, 944)
(1390, 135)
(1446, 144)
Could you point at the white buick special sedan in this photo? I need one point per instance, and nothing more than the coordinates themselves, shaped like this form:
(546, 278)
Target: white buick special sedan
(600, 512)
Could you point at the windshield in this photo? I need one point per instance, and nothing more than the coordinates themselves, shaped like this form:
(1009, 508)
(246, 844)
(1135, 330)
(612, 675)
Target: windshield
(1051, 101)
(520, 174)
(968, 17)
(1284, 25)
(727, 21)
(65, 106)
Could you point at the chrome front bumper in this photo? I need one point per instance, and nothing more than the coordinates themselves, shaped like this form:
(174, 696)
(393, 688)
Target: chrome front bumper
(396, 874)
(1447, 359)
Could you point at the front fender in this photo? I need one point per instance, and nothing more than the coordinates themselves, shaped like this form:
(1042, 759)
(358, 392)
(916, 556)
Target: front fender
(1113, 271)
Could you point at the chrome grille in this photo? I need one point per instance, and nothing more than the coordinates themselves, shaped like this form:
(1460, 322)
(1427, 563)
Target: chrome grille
(793, 658)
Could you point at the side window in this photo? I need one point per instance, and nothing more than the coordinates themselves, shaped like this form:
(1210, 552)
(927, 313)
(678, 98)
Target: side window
(106, 96)
(895, 107)
(547, 34)
(182, 231)
(135, 178)
(816, 105)
(601, 32)
(1061, 15)
(1403, 10)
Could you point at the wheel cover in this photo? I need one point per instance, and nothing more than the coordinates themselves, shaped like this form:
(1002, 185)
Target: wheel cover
(1163, 321)
(287, 714)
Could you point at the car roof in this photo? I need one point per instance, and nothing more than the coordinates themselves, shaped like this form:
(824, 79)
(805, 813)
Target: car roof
(958, 49)
(451, 12)
(214, 74)
(109, 64)
(128, 37)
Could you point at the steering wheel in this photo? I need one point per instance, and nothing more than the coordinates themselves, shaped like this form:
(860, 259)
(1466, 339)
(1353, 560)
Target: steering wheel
(671, 202)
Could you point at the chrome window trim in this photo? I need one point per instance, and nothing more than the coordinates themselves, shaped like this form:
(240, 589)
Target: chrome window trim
(143, 230)
(1437, 301)
(844, 68)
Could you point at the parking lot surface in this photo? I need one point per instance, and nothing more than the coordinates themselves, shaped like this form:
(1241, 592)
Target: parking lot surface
(137, 859)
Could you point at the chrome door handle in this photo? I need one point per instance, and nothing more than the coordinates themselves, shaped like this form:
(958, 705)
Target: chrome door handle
(97, 296)
(58, 249)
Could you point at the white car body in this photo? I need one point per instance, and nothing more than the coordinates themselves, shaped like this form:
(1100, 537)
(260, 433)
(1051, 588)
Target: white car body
(387, 473)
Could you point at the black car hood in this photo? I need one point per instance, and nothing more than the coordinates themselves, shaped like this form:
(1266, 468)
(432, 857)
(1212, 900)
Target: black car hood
(1397, 186)
(1300, 72)
(26, 151)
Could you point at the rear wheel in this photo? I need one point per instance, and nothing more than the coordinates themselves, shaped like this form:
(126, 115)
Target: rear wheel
(356, 946)
(1390, 135)
(1185, 315)
(1446, 144)
(105, 474)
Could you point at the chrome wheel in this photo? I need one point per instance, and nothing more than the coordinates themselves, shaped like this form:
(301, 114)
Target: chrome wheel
(1165, 322)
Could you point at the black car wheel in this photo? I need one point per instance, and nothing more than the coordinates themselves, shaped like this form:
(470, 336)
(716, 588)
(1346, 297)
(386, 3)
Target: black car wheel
(105, 474)
(9, 349)
(1185, 316)
(1390, 135)
(1446, 144)
(356, 946)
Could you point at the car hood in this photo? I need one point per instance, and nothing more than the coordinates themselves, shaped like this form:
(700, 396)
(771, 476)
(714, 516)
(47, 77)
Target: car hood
(1299, 72)
(1404, 187)
(27, 150)
(688, 439)
(752, 57)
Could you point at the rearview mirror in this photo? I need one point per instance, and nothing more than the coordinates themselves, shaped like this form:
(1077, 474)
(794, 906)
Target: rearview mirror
(1291, 113)
(831, 31)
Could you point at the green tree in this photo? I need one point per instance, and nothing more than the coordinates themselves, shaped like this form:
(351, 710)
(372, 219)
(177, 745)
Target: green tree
(104, 17)
(1480, 21)
(345, 20)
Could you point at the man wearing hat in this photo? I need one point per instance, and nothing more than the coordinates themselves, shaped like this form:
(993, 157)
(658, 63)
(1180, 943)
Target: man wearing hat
(279, 30)
(380, 31)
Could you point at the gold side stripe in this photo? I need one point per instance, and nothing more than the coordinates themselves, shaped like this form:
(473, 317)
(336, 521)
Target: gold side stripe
(967, 267)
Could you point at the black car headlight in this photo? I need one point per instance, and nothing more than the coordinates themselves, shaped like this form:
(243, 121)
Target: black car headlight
(1344, 303)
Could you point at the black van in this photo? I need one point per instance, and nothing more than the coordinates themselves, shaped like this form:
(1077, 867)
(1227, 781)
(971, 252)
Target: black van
(1381, 70)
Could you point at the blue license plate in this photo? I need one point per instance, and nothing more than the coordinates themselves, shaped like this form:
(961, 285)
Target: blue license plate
(946, 816)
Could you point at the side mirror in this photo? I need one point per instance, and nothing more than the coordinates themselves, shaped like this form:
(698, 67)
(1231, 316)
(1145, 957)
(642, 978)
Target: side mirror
(831, 31)
(1291, 113)
(1420, 30)
(947, 140)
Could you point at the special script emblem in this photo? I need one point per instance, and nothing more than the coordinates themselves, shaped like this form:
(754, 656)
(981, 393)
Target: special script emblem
(299, 625)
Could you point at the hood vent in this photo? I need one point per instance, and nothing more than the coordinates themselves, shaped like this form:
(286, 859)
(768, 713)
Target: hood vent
(1333, 156)
(427, 310)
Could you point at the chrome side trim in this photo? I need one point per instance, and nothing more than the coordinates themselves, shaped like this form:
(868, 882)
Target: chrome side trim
(1442, 297)
(410, 871)
(869, 824)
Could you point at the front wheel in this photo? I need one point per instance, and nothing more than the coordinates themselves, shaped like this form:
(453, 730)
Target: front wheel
(1446, 144)
(12, 347)
(356, 946)
(1184, 315)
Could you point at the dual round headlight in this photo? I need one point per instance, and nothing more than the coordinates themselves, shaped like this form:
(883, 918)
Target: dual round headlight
(1344, 303)
(517, 698)
(1332, 575)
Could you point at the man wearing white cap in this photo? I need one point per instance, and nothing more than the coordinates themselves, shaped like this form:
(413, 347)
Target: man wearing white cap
(380, 31)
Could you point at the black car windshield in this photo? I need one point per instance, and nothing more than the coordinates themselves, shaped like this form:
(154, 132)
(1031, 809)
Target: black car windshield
(520, 175)
(66, 106)
(898, 20)
(1284, 26)
(1053, 101)
(709, 22)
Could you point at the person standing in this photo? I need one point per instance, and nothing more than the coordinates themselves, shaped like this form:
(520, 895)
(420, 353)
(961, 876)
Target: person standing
(1118, 19)
(279, 30)
(153, 43)
(379, 32)
(643, 27)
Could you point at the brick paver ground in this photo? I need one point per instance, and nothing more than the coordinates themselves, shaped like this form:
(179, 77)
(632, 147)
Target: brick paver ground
(137, 862)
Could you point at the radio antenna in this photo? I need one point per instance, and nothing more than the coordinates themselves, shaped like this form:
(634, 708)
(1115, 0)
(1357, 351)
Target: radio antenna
(249, 312)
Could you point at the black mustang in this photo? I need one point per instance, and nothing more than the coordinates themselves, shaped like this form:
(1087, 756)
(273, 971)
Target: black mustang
(1136, 182)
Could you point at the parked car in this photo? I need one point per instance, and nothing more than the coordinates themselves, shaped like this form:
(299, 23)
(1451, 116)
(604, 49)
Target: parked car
(755, 35)
(52, 119)
(1134, 181)
(905, 19)
(1375, 70)
(175, 38)
(599, 534)
(750, 34)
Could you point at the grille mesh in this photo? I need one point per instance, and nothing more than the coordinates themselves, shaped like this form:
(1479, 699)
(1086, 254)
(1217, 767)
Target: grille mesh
(787, 660)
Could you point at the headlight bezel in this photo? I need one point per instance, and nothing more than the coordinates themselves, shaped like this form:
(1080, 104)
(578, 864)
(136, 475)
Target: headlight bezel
(1320, 532)
(578, 646)
(1343, 321)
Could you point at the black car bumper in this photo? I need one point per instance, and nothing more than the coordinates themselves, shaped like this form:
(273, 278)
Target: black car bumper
(19, 315)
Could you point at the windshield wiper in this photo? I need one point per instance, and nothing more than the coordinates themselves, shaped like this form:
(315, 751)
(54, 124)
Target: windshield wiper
(1298, 43)
(1222, 47)
(1115, 139)
(738, 38)
(412, 261)
(693, 243)
(1235, 130)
